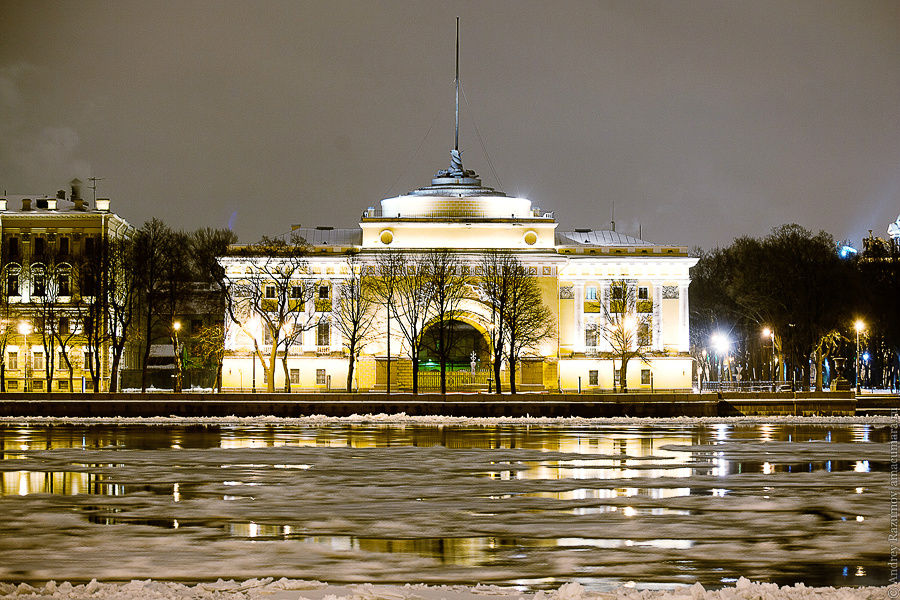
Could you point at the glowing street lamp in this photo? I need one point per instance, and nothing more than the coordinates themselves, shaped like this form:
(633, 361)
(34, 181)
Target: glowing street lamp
(176, 327)
(720, 343)
(859, 326)
(768, 333)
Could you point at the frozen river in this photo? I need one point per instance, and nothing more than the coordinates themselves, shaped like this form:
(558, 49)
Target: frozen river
(534, 505)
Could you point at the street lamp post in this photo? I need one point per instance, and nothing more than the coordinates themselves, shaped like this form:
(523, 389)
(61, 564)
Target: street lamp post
(859, 326)
(176, 326)
(25, 329)
(771, 334)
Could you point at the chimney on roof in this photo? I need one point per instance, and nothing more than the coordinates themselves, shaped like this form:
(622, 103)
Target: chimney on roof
(61, 195)
(102, 204)
(26, 203)
(76, 194)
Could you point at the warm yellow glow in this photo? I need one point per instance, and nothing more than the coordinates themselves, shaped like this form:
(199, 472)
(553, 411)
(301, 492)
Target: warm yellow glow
(859, 325)
(768, 332)
(176, 325)
(630, 323)
(24, 327)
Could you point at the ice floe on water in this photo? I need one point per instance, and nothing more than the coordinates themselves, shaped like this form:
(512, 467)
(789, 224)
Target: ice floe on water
(525, 504)
(287, 589)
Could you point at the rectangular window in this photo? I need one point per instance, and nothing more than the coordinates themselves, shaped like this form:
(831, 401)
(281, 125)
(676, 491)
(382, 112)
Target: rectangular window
(87, 359)
(295, 376)
(267, 336)
(644, 335)
(39, 287)
(38, 384)
(38, 361)
(40, 246)
(12, 361)
(591, 337)
(645, 376)
(61, 361)
(593, 377)
(616, 375)
(323, 334)
(64, 289)
(13, 247)
(320, 376)
(89, 384)
(643, 293)
(64, 248)
(297, 292)
(12, 385)
(323, 292)
(12, 285)
(590, 293)
(617, 292)
(64, 325)
(89, 246)
(270, 291)
(63, 385)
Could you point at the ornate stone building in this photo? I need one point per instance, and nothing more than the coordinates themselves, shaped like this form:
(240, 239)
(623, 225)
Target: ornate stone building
(45, 239)
(577, 272)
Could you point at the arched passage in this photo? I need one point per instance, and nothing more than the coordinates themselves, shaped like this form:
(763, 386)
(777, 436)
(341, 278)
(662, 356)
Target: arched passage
(466, 339)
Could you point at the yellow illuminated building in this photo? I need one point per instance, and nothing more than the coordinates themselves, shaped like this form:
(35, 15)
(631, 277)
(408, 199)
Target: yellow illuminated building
(574, 269)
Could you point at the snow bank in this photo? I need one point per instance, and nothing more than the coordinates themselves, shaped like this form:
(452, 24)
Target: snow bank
(402, 418)
(292, 589)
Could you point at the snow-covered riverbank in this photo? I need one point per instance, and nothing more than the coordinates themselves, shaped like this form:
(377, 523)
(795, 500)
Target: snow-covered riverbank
(287, 589)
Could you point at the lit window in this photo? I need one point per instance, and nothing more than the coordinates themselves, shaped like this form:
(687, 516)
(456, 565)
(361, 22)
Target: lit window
(38, 384)
(12, 385)
(593, 377)
(645, 376)
(590, 293)
(643, 293)
(38, 361)
(270, 291)
(323, 334)
(295, 376)
(12, 361)
(320, 376)
(64, 385)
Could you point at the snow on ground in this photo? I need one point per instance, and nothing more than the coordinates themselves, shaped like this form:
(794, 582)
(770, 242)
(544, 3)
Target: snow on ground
(287, 589)
(402, 418)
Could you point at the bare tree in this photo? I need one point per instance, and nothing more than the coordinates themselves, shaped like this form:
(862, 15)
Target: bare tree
(391, 266)
(624, 329)
(210, 347)
(90, 302)
(449, 287)
(413, 306)
(150, 243)
(121, 295)
(175, 287)
(207, 245)
(498, 269)
(354, 317)
(528, 321)
(266, 294)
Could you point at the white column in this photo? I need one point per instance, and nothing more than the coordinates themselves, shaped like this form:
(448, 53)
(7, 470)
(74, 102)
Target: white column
(657, 316)
(684, 341)
(578, 311)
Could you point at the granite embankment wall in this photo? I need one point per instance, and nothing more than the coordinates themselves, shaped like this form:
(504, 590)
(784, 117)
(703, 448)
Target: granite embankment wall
(461, 405)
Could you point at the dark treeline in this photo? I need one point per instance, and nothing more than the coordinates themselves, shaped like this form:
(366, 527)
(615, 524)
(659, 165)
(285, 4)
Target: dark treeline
(795, 286)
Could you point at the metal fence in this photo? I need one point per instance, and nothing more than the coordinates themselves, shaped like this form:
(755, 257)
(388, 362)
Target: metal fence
(456, 380)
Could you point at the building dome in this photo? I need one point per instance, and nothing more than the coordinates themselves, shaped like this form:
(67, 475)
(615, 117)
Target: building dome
(456, 193)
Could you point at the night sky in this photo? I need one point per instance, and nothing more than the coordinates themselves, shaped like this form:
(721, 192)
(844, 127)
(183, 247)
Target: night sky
(702, 121)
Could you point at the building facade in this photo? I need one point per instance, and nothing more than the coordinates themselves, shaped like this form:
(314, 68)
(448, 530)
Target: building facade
(46, 244)
(580, 273)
